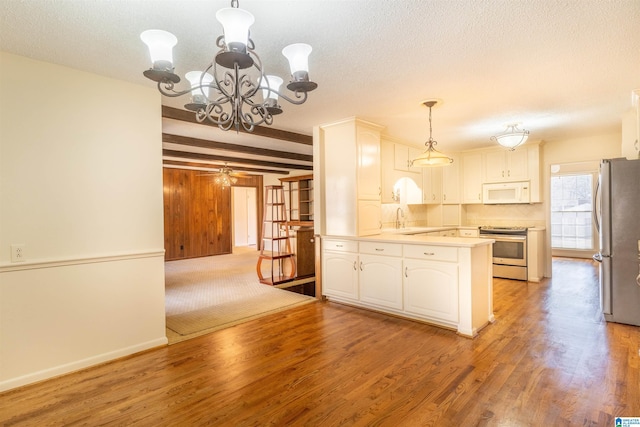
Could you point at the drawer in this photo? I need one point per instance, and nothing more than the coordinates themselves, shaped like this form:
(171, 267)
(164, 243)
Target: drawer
(435, 253)
(377, 248)
(340, 245)
(468, 233)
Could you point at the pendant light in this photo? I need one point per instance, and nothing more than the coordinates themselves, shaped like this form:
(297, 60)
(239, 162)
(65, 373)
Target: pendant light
(431, 157)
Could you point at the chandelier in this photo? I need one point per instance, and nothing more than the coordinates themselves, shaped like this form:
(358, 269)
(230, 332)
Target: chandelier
(226, 92)
(431, 156)
(512, 137)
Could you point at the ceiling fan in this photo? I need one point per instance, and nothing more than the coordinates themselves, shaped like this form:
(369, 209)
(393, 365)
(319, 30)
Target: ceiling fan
(225, 177)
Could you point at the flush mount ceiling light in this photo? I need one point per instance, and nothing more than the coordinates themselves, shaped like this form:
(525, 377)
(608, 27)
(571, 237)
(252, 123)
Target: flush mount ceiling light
(431, 156)
(512, 137)
(226, 92)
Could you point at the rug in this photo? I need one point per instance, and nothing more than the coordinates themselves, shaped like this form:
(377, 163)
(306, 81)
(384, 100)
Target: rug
(203, 295)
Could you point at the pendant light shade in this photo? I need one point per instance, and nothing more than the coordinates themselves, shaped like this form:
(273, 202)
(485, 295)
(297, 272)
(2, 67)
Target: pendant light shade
(431, 157)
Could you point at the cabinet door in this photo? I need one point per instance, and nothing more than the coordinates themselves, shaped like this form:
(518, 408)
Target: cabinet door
(381, 280)
(400, 157)
(517, 169)
(451, 182)
(432, 185)
(495, 166)
(504, 166)
(369, 182)
(472, 178)
(369, 217)
(431, 289)
(340, 275)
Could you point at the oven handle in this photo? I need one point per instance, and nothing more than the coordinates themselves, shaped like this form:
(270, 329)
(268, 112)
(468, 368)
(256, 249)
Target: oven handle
(503, 237)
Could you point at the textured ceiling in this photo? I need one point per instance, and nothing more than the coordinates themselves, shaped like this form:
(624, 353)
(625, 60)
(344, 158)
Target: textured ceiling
(560, 68)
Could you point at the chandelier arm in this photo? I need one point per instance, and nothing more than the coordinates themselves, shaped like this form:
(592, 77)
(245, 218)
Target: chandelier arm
(169, 91)
(302, 97)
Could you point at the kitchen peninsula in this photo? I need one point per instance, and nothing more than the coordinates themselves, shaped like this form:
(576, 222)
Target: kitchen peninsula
(446, 281)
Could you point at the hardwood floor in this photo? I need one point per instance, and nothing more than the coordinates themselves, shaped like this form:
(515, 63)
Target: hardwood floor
(549, 359)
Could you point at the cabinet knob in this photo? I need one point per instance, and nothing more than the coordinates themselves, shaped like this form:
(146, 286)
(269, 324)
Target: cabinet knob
(406, 272)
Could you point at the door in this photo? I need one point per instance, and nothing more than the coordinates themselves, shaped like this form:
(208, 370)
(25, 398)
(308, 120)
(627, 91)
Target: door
(245, 217)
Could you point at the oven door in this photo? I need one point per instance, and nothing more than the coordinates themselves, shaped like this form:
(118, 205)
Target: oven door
(509, 250)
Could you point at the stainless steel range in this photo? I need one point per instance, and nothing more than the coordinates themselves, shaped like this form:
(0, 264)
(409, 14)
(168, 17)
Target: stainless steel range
(509, 251)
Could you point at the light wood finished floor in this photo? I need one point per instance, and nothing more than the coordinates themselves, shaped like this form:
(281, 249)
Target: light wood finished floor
(548, 360)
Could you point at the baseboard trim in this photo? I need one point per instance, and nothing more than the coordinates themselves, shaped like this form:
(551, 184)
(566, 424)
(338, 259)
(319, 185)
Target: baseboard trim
(67, 368)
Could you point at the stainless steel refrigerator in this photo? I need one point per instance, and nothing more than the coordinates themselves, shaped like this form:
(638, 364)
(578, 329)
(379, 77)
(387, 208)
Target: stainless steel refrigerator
(617, 208)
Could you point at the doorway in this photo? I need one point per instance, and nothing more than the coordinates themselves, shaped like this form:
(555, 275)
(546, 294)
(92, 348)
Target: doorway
(245, 216)
(573, 232)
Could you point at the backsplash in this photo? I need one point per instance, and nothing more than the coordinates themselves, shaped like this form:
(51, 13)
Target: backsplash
(414, 215)
(532, 215)
(525, 215)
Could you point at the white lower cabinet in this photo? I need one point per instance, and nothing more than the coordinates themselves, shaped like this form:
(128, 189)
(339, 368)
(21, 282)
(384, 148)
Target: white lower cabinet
(431, 289)
(381, 280)
(445, 285)
(340, 274)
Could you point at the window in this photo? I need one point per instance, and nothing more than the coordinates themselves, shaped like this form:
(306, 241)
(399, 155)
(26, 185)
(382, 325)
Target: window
(571, 211)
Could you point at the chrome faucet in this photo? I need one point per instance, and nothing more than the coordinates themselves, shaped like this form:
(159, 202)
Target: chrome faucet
(399, 214)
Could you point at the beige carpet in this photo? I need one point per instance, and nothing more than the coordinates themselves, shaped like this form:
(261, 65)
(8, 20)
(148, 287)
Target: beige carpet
(203, 295)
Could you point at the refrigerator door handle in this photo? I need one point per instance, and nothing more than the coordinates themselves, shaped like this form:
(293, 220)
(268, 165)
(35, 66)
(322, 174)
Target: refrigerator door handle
(596, 205)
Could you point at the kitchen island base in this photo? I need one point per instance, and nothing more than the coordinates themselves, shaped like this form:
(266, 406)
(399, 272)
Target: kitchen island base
(444, 281)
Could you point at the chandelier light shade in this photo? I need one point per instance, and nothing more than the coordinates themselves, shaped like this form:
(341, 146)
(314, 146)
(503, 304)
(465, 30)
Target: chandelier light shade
(431, 157)
(224, 178)
(160, 44)
(233, 91)
(512, 137)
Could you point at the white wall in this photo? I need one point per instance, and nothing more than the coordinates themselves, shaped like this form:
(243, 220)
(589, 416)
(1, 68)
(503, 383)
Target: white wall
(81, 188)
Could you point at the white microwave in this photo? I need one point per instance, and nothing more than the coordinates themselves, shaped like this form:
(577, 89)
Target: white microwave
(506, 193)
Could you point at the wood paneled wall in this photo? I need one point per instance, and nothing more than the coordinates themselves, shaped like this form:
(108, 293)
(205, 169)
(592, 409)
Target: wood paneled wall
(197, 213)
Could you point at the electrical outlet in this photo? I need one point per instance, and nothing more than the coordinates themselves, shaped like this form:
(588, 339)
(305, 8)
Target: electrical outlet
(17, 253)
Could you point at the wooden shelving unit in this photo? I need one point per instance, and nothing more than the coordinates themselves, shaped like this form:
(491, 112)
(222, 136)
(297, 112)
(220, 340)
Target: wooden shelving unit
(275, 245)
(298, 193)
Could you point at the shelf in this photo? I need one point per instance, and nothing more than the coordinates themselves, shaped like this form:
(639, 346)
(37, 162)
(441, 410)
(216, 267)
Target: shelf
(276, 256)
(275, 280)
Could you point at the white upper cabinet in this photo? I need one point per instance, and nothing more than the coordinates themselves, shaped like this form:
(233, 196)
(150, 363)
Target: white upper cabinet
(350, 166)
(472, 179)
(403, 155)
(506, 165)
(432, 185)
(631, 133)
(451, 182)
(368, 157)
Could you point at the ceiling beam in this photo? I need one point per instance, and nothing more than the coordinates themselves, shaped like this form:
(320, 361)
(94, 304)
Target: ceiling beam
(189, 116)
(211, 166)
(210, 157)
(205, 143)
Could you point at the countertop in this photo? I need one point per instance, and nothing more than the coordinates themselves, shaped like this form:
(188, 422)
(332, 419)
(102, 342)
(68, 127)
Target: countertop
(460, 242)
